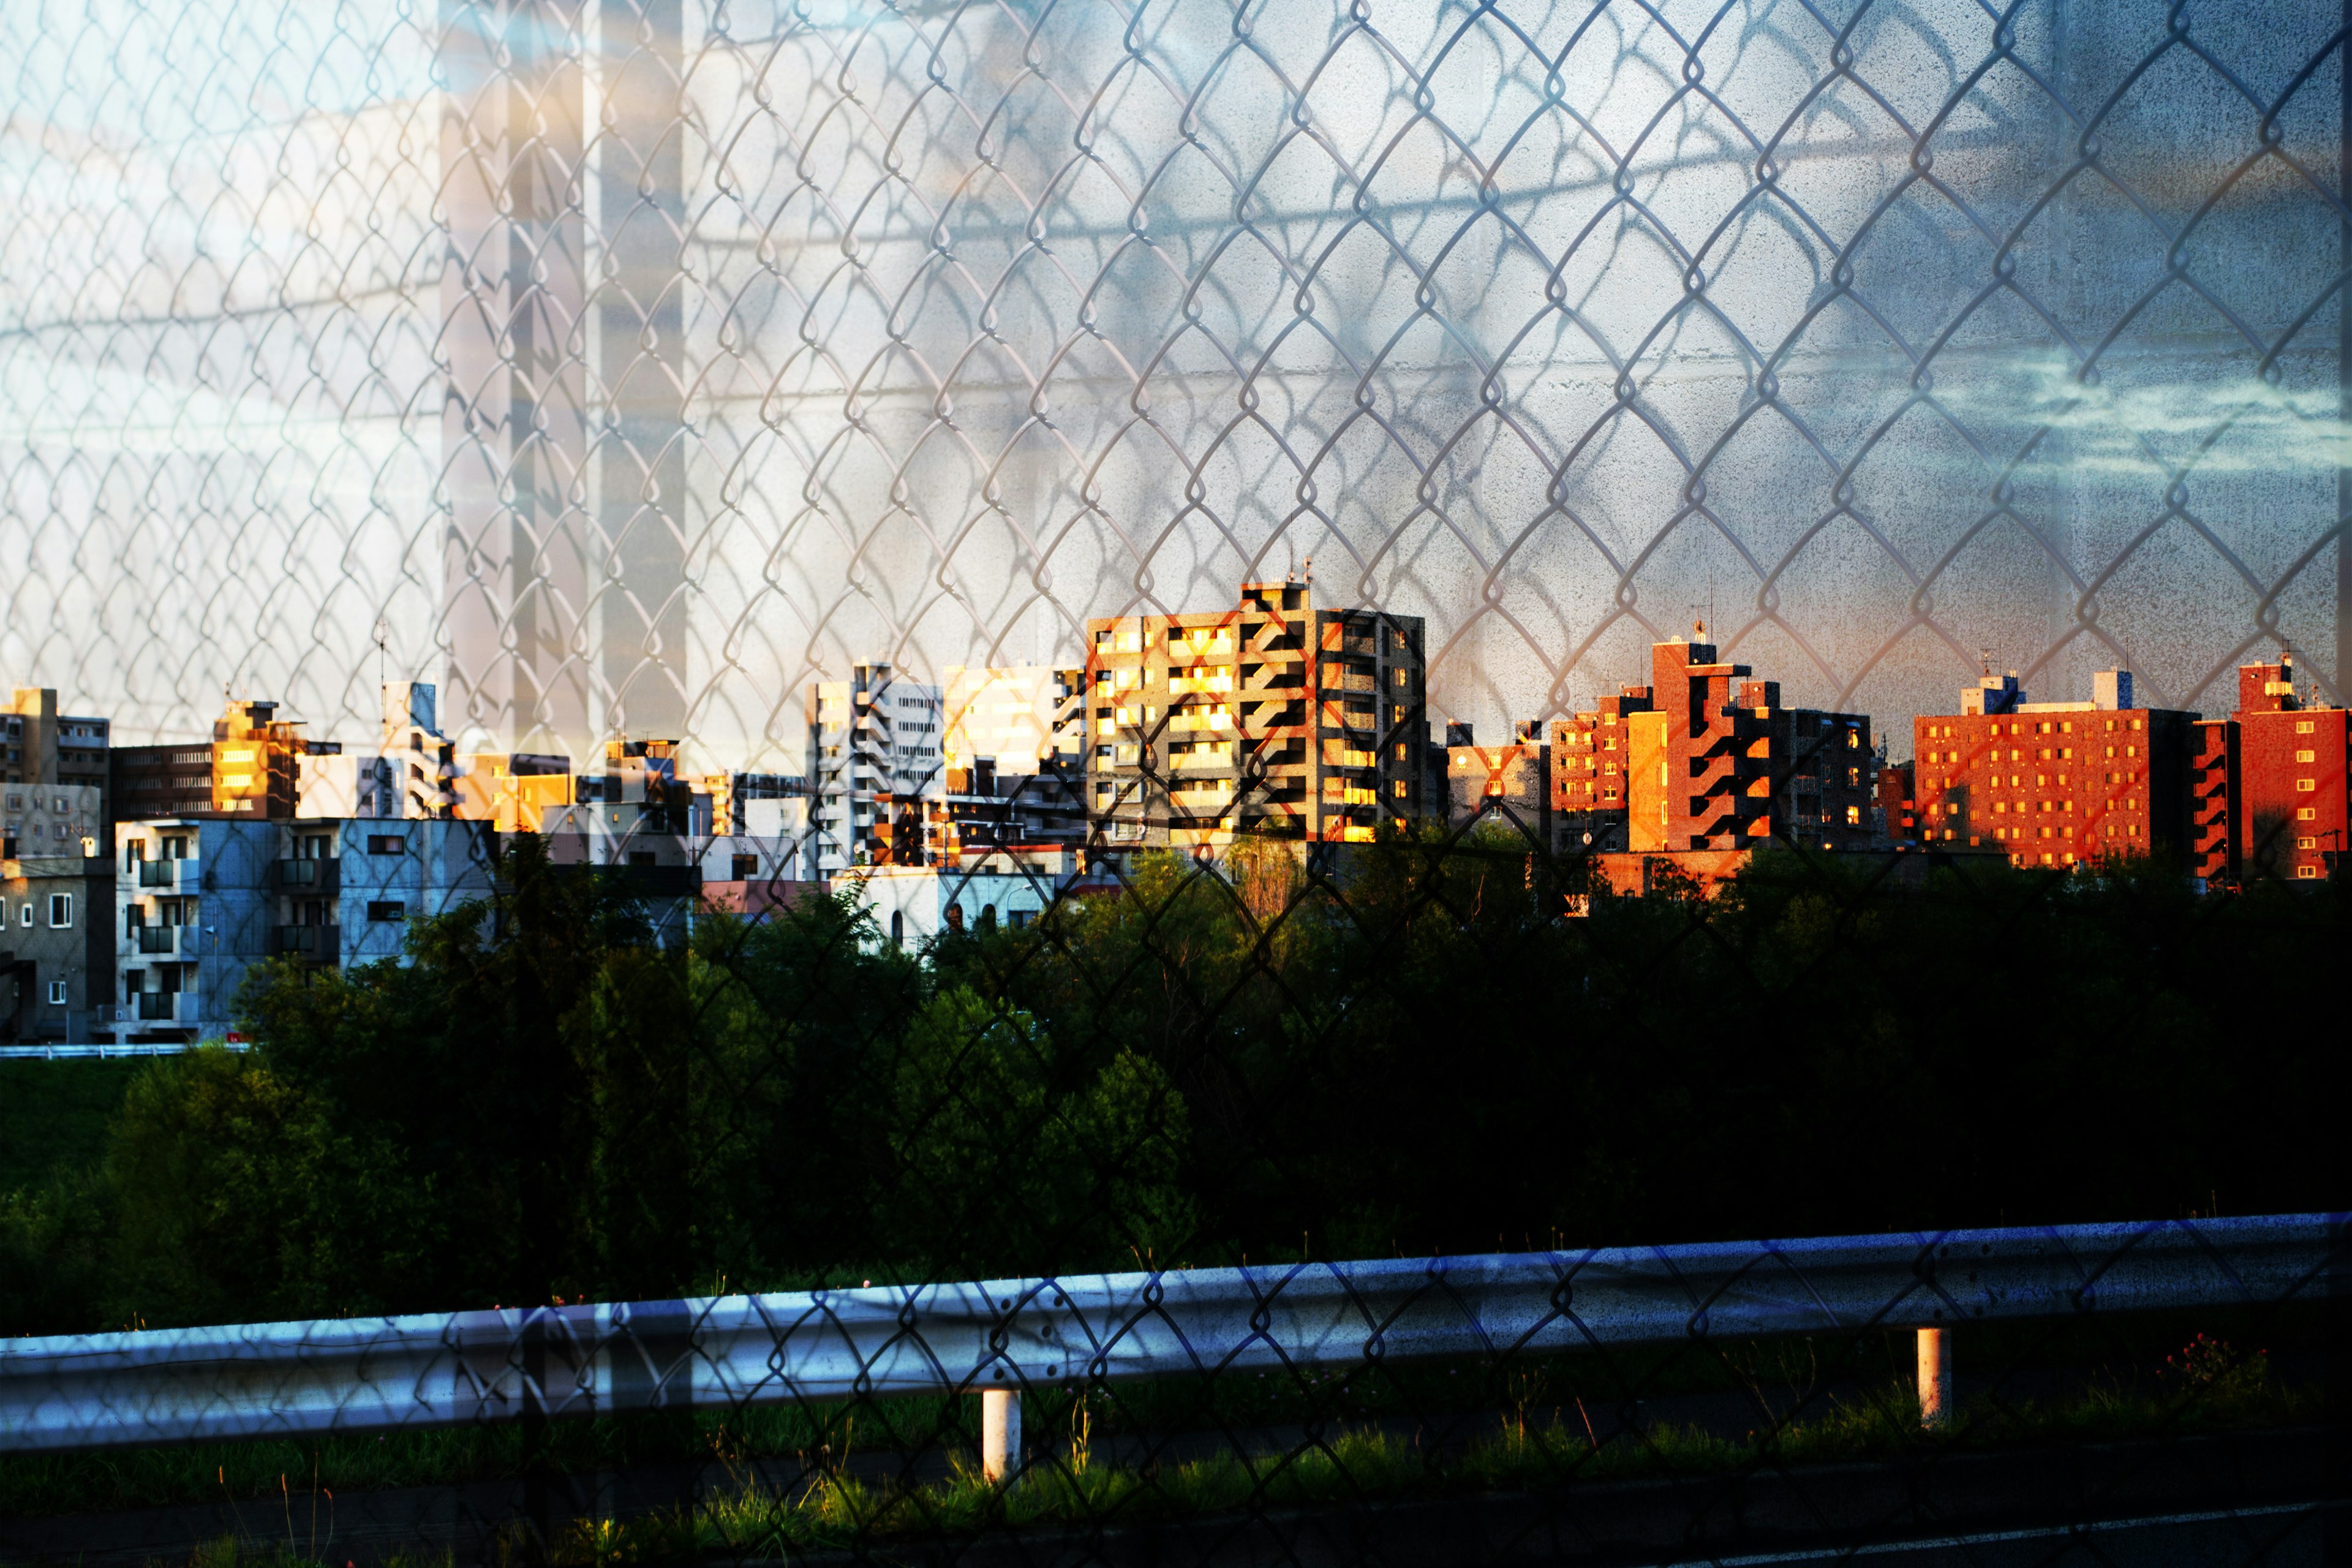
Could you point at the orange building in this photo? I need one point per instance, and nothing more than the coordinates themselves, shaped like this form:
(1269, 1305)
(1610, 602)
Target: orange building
(2055, 784)
(2271, 783)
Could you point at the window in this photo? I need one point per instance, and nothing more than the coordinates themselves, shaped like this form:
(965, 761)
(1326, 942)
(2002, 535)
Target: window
(60, 909)
(1398, 789)
(1853, 816)
(2306, 843)
(746, 868)
(56, 992)
(25, 917)
(2305, 726)
(898, 928)
(2307, 872)
(2304, 786)
(2307, 814)
(386, 909)
(2307, 756)
(387, 844)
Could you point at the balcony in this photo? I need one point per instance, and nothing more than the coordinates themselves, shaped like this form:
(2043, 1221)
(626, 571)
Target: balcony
(308, 942)
(158, 939)
(163, 1006)
(310, 876)
(160, 873)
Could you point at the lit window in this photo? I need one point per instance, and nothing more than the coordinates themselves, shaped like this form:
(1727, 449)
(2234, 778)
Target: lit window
(2304, 786)
(2306, 843)
(2307, 872)
(2307, 814)
(2305, 726)
(2307, 756)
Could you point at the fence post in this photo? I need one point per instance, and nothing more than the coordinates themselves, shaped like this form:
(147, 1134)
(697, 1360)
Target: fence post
(1000, 1432)
(1935, 1379)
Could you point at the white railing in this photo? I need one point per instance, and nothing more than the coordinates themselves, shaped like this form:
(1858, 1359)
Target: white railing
(382, 1374)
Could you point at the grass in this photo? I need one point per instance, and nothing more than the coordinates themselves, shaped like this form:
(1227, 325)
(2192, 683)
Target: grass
(2207, 1386)
(54, 1113)
(1349, 1465)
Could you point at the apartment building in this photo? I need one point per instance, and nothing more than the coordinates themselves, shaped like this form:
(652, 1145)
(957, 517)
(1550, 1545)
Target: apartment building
(198, 901)
(43, 746)
(2055, 784)
(877, 771)
(1275, 717)
(1592, 773)
(56, 947)
(2270, 784)
(1015, 743)
(1715, 763)
(1510, 785)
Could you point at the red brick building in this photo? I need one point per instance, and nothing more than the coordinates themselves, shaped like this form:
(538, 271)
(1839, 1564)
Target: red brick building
(2055, 784)
(1590, 755)
(2272, 784)
(1897, 805)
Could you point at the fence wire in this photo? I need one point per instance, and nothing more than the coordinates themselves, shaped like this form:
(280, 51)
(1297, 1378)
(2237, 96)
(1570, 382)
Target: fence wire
(625, 367)
(1344, 1131)
(621, 364)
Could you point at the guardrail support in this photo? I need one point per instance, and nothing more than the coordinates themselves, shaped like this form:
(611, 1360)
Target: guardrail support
(1935, 1379)
(1000, 1432)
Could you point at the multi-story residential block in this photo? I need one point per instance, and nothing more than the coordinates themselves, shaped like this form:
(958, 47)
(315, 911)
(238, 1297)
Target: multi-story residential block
(148, 784)
(2055, 784)
(46, 747)
(1592, 773)
(1508, 785)
(256, 767)
(877, 771)
(1016, 755)
(49, 821)
(1716, 762)
(56, 943)
(2270, 784)
(198, 901)
(1276, 717)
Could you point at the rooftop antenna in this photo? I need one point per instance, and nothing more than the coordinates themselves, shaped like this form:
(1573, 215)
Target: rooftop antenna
(1310, 571)
(1710, 593)
(383, 631)
(1291, 575)
(1984, 659)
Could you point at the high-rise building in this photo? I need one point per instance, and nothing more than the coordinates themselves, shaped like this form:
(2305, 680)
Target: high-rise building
(2055, 784)
(2271, 783)
(1591, 761)
(1275, 717)
(1016, 750)
(876, 772)
(1715, 763)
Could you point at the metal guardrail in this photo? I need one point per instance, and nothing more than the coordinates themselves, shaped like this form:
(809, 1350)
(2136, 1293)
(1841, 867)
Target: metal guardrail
(109, 1049)
(373, 1375)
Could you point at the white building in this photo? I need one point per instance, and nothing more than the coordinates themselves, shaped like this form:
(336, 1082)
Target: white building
(877, 771)
(913, 904)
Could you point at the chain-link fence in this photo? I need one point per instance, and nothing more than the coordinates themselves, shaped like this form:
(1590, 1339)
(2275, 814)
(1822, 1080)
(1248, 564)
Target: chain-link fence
(629, 367)
(1290, 1171)
(630, 364)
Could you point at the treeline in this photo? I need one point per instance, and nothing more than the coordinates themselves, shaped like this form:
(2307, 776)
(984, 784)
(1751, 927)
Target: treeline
(1421, 1049)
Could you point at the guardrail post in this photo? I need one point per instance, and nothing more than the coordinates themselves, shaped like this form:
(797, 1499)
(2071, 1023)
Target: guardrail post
(1935, 1379)
(1000, 1432)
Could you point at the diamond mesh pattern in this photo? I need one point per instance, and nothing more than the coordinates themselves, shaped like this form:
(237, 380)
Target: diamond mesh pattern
(634, 361)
